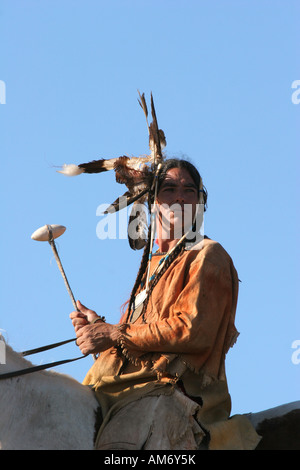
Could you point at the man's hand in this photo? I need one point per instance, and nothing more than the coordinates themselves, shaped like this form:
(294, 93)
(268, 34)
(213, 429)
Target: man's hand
(92, 338)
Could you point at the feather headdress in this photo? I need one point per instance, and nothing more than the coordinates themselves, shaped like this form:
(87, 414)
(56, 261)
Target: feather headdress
(137, 173)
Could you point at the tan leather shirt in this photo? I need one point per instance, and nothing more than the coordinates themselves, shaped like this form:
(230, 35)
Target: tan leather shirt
(183, 338)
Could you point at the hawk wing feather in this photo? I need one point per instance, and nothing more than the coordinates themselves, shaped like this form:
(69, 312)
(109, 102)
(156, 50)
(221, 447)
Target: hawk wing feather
(98, 166)
(131, 176)
(131, 171)
(157, 138)
(125, 200)
(143, 105)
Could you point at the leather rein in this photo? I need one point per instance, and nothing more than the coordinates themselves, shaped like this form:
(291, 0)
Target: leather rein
(32, 369)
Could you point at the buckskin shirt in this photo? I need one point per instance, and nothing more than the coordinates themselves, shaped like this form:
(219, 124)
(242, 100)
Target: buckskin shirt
(174, 355)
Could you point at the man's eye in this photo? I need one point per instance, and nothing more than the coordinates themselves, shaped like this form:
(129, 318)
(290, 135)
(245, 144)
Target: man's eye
(168, 189)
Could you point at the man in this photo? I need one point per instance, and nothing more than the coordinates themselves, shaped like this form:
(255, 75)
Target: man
(160, 375)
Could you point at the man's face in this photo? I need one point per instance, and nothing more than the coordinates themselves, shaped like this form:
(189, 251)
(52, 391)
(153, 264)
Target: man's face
(177, 202)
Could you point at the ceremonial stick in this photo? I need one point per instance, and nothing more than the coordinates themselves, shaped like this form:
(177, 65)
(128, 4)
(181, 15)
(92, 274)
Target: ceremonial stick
(49, 233)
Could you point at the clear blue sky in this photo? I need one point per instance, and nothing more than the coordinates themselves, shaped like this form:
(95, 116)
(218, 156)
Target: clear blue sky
(221, 73)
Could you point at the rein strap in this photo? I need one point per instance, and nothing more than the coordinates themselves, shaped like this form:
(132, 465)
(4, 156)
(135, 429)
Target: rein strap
(29, 370)
(32, 369)
(45, 348)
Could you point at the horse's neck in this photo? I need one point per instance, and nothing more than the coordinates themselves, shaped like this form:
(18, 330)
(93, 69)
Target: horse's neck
(14, 361)
(43, 380)
(25, 401)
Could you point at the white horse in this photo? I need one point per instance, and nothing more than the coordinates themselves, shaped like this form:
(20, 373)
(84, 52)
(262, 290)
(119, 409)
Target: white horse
(47, 410)
(44, 410)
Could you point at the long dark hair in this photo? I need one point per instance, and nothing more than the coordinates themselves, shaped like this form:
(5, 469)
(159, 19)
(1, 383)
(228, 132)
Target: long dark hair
(166, 166)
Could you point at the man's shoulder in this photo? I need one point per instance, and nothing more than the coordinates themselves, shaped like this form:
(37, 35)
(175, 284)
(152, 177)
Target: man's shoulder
(211, 257)
(207, 245)
(212, 250)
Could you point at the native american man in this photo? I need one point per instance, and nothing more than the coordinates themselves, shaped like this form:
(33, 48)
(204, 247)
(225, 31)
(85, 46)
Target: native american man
(160, 373)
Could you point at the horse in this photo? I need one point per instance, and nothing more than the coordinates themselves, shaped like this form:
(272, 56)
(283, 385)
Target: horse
(46, 410)
(279, 427)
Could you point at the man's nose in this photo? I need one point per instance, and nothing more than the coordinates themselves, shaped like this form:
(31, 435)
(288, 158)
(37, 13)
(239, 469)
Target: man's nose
(180, 196)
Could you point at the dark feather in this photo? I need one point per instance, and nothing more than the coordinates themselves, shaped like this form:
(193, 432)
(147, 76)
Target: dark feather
(162, 138)
(98, 166)
(130, 176)
(143, 105)
(154, 137)
(125, 200)
(137, 226)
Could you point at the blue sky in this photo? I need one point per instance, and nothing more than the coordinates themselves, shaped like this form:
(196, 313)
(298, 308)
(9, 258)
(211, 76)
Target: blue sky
(221, 73)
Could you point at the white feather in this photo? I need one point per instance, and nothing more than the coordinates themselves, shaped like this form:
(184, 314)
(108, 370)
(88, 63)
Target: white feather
(71, 170)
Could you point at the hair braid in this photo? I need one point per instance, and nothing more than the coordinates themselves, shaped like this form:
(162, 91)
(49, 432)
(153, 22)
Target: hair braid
(140, 273)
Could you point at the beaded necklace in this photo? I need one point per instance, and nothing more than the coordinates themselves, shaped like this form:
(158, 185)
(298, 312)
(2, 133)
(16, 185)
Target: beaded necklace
(143, 294)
